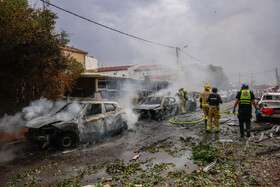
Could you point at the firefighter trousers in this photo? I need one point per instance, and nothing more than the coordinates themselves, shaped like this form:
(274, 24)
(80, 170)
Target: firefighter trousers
(214, 112)
(206, 111)
(183, 105)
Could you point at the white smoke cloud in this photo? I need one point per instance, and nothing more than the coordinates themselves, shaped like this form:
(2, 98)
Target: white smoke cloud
(126, 102)
(13, 124)
(69, 112)
(229, 34)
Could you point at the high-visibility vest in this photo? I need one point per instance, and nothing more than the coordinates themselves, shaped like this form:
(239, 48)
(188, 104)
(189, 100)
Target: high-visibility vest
(204, 96)
(245, 97)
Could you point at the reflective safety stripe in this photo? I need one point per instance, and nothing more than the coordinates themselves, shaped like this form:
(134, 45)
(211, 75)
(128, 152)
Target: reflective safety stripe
(205, 105)
(245, 97)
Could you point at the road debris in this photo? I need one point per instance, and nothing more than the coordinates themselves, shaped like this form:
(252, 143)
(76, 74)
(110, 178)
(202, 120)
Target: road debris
(210, 166)
(69, 151)
(136, 157)
(269, 150)
(232, 124)
(185, 138)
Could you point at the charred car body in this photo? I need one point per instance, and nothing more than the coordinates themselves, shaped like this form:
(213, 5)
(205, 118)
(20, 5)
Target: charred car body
(77, 121)
(193, 101)
(157, 107)
(269, 106)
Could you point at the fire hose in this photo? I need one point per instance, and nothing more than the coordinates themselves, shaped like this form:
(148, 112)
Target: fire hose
(172, 120)
(226, 111)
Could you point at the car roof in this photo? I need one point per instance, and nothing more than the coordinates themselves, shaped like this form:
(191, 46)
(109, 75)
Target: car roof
(96, 102)
(272, 93)
(159, 96)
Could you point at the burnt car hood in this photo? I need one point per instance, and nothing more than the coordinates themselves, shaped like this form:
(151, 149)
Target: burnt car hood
(147, 107)
(42, 121)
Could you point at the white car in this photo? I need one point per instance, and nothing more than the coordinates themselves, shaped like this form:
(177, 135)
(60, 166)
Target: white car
(269, 106)
(77, 121)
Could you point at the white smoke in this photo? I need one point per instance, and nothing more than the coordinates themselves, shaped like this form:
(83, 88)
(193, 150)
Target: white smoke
(69, 112)
(37, 108)
(126, 102)
(13, 124)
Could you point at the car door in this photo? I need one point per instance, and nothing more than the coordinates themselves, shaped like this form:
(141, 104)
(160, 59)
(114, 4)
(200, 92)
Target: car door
(111, 120)
(94, 121)
(166, 106)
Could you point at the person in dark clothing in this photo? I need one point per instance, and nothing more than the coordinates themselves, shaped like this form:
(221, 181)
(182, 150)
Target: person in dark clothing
(214, 100)
(244, 99)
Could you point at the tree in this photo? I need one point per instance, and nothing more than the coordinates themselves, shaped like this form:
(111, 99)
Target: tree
(32, 65)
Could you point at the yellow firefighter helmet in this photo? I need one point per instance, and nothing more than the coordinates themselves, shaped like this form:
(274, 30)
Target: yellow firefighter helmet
(207, 87)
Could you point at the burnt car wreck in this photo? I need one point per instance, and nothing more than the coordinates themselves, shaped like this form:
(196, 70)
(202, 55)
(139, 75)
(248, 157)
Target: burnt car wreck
(77, 121)
(269, 107)
(156, 107)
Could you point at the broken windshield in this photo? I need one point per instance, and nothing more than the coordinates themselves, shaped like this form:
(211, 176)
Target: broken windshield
(152, 100)
(69, 111)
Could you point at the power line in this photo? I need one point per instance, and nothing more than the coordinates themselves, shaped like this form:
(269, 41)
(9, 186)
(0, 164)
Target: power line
(192, 57)
(107, 27)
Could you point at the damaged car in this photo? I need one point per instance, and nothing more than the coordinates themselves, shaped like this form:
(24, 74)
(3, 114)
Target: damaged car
(77, 121)
(157, 107)
(193, 101)
(269, 106)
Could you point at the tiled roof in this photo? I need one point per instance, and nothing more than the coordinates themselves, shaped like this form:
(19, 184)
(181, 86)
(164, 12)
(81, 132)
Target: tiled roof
(149, 67)
(113, 68)
(74, 49)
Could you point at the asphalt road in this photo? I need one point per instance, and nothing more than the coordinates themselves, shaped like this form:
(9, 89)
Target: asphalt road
(159, 141)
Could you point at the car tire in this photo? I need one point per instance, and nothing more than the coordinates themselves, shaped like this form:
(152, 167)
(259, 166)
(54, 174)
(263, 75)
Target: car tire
(66, 140)
(122, 127)
(159, 117)
(259, 118)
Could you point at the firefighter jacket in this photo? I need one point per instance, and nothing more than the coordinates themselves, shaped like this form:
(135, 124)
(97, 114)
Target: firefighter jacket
(183, 95)
(214, 99)
(203, 98)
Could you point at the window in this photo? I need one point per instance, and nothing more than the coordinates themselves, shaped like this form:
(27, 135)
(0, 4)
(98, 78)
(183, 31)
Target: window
(94, 109)
(110, 107)
(166, 101)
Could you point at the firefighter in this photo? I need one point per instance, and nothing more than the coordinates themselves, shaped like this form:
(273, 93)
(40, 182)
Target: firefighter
(214, 101)
(184, 98)
(203, 104)
(244, 99)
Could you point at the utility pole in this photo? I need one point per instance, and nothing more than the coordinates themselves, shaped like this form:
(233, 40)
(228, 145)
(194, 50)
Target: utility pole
(277, 76)
(177, 56)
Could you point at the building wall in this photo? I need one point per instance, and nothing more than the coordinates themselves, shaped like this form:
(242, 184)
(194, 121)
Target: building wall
(91, 64)
(119, 73)
(78, 56)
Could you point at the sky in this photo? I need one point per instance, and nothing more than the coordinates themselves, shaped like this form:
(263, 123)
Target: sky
(241, 36)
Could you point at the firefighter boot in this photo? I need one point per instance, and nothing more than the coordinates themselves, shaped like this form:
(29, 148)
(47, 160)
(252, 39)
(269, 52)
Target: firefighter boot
(208, 128)
(217, 129)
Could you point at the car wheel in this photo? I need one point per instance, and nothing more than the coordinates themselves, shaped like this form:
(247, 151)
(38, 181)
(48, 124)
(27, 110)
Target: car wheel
(66, 141)
(122, 127)
(259, 118)
(159, 117)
